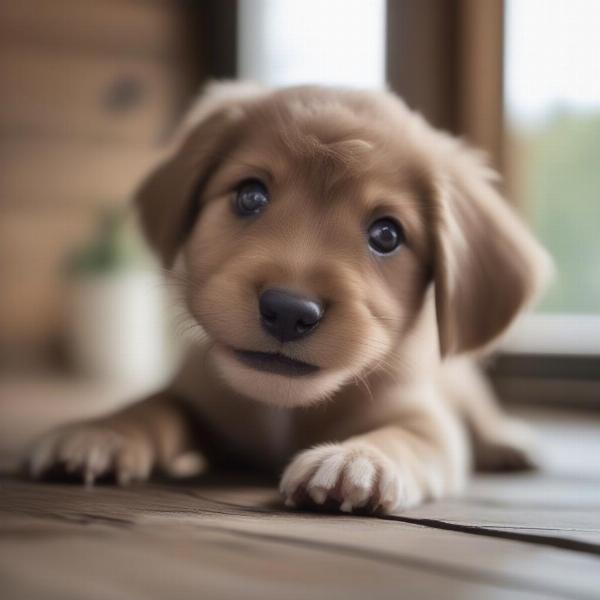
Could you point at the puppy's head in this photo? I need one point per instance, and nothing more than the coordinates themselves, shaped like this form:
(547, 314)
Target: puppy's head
(310, 223)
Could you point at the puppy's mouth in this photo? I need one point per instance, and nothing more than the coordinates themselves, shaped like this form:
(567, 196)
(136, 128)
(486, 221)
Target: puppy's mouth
(277, 363)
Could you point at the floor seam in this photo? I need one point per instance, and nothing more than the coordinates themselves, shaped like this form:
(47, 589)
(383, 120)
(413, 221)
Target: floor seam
(538, 540)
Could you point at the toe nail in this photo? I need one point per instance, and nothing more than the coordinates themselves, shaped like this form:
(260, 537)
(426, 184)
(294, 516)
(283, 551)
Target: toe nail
(346, 506)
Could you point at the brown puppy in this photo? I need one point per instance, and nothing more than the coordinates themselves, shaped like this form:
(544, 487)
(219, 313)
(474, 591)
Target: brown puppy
(339, 254)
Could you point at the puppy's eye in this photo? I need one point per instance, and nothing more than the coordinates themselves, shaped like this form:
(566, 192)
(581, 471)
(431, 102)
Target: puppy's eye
(385, 235)
(251, 198)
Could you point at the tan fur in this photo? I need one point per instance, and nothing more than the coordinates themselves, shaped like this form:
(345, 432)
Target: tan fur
(378, 426)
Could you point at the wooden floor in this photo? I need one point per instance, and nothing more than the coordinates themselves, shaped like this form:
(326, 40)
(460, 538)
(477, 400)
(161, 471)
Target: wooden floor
(511, 537)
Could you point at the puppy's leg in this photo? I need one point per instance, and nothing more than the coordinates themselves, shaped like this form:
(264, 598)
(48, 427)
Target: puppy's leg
(128, 444)
(421, 456)
(500, 442)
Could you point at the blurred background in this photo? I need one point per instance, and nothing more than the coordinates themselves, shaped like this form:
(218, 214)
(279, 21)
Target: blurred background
(91, 89)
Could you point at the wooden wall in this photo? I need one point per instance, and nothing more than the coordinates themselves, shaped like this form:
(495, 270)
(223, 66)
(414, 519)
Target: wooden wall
(88, 90)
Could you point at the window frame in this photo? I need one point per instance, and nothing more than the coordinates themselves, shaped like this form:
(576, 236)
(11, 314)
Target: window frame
(436, 53)
(446, 59)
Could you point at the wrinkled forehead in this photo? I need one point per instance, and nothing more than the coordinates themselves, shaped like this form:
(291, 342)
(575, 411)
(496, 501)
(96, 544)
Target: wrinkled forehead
(324, 145)
(328, 158)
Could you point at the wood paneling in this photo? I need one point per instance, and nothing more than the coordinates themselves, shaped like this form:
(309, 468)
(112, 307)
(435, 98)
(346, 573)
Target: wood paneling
(62, 173)
(33, 248)
(66, 94)
(89, 89)
(151, 28)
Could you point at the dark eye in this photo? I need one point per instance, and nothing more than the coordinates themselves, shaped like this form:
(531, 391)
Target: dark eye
(251, 198)
(385, 235)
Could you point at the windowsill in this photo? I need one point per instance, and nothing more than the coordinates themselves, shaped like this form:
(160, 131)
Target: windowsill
(550, 359)
(554, 334)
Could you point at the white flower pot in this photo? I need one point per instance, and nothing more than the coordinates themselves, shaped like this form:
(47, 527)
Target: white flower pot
(116, 327)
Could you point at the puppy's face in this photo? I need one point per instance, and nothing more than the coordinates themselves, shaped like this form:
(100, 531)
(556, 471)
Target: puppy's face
(310, 237)
(310, 257)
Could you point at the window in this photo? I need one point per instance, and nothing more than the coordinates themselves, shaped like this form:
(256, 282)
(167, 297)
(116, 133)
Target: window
(552, 107)
(340, 42)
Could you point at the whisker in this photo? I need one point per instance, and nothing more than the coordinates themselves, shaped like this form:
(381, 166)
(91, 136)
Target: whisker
(362, 380)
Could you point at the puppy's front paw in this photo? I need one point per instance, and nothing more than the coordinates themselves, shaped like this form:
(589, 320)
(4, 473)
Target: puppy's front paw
(90, 451)
(346, 476)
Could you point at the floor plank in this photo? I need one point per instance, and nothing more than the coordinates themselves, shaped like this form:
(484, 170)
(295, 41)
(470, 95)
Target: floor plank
(509, 537)
(220, 539)
(541, 505)
(560, 502)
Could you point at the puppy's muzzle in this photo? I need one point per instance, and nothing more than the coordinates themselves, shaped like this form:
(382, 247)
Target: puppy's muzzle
(289, 316)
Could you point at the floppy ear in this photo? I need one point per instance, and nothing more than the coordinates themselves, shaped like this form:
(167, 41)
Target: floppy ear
(165, 200)
(487, 265)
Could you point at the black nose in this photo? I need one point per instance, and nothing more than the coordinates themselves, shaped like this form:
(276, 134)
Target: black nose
(288, 316)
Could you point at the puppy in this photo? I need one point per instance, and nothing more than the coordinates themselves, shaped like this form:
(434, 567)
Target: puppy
(342, 259)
